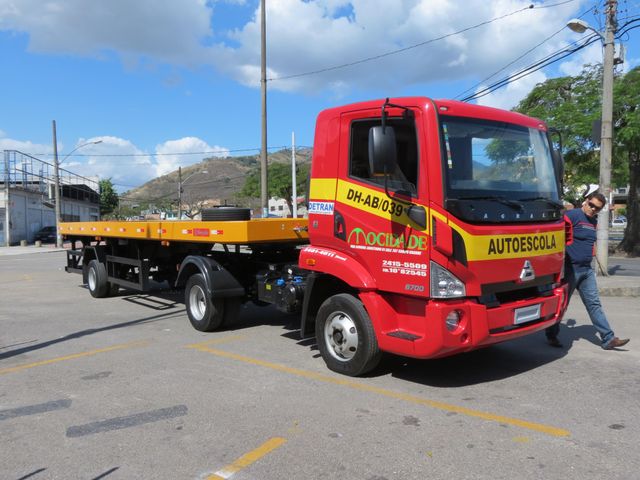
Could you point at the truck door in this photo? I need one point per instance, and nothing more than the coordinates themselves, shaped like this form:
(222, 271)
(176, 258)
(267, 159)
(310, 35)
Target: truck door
(371, 211)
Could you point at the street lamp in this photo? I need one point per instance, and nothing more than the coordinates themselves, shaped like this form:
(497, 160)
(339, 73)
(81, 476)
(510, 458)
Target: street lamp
(56, 164)
(180, 184)
(606, 141)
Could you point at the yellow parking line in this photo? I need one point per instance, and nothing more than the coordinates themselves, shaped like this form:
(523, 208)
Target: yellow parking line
(346, 382)
(248, 458)
(218, 341)
(72, 356)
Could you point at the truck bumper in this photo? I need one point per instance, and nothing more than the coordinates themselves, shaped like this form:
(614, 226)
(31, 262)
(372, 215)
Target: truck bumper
(402, 331)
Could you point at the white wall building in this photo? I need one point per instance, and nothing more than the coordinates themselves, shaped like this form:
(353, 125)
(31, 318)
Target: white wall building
(27, 197)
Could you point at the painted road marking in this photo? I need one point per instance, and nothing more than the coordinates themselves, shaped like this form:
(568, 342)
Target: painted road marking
(345, 382)
(72, 356)
(217, 341)
(35, 409)
(119, 423)
(248, 458)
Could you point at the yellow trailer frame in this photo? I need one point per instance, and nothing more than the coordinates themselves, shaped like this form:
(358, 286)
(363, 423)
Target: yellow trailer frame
(259, 230)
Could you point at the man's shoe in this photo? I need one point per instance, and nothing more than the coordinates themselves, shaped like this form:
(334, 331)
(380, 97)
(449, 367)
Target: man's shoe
(615, 343)
(554, 342)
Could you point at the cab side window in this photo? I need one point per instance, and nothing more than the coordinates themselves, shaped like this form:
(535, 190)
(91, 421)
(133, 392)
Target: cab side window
(404, 177)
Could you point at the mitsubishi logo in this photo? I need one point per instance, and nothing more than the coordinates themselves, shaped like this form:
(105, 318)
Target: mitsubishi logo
(527, 272)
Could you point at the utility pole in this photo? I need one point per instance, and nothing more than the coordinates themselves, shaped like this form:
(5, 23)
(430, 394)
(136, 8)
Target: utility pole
(294, 195)
(56, 167)
(606, 143)
(7, 201)
(264, 196)
(179, 193)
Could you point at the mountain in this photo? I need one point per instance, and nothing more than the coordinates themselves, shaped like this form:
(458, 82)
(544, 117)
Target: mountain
(224, 178)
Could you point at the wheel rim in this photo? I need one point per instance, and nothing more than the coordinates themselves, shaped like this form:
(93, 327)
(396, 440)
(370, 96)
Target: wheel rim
(341, 336)
(197, 302)
(92, 279)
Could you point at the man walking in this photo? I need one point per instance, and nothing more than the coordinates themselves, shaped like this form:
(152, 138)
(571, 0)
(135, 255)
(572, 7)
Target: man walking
(580, 275)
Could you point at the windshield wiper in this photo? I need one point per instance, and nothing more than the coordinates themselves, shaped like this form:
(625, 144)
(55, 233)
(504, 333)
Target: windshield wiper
(516, 205)
(549, 202)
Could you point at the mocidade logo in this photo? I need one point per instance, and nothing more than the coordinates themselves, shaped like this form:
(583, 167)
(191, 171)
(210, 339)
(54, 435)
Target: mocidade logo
(387, 240)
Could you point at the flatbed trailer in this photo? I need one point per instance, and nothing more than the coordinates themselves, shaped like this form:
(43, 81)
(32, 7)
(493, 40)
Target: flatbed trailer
(221, 263)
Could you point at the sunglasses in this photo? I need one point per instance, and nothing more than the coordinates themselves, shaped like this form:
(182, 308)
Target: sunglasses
(595, 207)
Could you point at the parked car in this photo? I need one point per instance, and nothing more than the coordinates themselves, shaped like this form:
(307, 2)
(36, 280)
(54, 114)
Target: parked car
(619, 222)
(46, 235)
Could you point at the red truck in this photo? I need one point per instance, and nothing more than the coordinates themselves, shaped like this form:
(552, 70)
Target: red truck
(435, 227)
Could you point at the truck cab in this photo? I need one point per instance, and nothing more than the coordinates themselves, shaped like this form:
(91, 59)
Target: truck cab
(439, 223)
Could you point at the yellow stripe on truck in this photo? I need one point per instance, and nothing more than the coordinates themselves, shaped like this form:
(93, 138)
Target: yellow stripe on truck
(493, 247)
(362, 198)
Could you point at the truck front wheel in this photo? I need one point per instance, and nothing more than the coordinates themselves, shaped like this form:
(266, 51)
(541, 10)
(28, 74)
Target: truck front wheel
(205, 313)
(345, 336)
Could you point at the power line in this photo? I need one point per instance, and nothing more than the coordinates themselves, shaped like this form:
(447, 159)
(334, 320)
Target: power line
(281, 147)
(545, 62)
(411, 47)
(549, 60)
(523, 55)
(510, 63)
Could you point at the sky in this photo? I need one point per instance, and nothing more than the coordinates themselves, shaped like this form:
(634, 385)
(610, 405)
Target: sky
(162, 84)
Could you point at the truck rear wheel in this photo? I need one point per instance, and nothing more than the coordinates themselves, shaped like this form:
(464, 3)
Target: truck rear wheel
(99, 287)
(205, 313)
(345, 336)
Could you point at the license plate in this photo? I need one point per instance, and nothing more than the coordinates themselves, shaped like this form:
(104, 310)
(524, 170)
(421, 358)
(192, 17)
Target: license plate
(526, 314)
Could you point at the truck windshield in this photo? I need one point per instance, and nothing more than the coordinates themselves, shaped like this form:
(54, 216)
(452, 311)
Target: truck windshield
(497, 172)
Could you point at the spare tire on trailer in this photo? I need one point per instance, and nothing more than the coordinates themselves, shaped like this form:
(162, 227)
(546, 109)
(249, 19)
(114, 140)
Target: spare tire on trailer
(225, 213)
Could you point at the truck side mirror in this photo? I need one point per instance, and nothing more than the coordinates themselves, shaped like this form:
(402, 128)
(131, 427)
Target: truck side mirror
(382, 149)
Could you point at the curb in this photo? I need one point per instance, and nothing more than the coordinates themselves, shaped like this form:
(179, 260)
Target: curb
(619, 291)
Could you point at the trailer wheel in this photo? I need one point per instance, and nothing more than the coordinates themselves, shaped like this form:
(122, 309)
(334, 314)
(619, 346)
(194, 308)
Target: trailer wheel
(97, 279)
(345, 336)
(205, 313)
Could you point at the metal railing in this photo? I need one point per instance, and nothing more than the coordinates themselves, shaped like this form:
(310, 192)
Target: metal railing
(26, 172)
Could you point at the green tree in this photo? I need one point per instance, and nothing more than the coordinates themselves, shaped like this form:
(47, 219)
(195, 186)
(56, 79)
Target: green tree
(627, 122)
(279, 182)
(572, 105)
(108, 197)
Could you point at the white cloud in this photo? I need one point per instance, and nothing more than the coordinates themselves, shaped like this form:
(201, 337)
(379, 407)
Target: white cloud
(589, 55)
(509, 96)
(182, 152)
(166, 31)
(120, 159)
(303, 36)
(23, 146)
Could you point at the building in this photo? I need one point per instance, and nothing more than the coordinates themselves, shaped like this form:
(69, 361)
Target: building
(278, 207)
(27, 197)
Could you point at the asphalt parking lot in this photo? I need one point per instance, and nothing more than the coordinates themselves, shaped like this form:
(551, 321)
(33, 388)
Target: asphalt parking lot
(124, 388)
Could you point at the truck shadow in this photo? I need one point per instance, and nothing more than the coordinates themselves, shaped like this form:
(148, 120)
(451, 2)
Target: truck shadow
(493, 363)
(490, 364)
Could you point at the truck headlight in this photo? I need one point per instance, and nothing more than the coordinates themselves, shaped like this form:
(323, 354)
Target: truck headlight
(444, 284)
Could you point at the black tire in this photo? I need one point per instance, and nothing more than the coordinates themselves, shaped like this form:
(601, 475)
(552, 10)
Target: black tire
(97, 279)
(205, 313)
(345, 336)
(225, 213)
